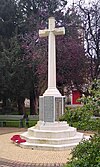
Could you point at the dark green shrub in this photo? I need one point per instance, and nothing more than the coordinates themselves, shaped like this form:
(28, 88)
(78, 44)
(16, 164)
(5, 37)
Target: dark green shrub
(86, 154)
(92, 102)
(81, 117)
(75, 115)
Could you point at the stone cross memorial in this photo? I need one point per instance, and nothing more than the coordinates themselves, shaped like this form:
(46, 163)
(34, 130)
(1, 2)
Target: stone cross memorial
(51, 103)
(49, 133)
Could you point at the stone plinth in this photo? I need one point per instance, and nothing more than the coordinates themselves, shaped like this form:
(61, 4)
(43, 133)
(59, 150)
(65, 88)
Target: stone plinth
(51, 108)
(51, 136)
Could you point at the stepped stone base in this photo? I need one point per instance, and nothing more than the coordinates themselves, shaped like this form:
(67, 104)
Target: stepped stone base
(51, 136)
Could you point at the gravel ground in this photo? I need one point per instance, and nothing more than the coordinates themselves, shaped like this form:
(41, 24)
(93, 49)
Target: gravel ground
(12, 155)
(10, 151)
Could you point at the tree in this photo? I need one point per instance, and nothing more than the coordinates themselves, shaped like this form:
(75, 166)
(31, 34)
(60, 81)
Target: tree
(70, 47)
(27, 53)
(70, 51)
(35, 48)
(8, 18)
(4, 76)
(8, 28)
(91, 25)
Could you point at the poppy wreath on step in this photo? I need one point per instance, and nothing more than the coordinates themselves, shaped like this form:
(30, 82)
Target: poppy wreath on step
(17, 139)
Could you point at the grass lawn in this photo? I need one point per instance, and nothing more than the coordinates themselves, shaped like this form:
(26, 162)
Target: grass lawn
(16, 123)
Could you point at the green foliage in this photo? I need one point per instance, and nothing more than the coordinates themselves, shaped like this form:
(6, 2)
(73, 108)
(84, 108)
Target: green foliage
(92, 102)
(8, 18)
(82, 117)
(86, 154)
(76, 114)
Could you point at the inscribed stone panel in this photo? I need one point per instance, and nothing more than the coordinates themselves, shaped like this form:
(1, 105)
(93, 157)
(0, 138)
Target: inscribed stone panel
(48, 108)
(58, 107)
(41, 112)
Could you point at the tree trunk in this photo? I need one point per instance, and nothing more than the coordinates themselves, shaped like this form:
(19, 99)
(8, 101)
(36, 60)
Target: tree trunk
(4, 102)
(33, 104)
(4, 105)
(21, 105)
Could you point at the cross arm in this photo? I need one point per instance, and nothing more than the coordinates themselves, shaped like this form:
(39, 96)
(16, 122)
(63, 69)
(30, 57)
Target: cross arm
(43, 33)
(59, 31)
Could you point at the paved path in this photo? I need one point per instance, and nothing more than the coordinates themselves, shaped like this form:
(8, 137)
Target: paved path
(6, 130)
(9, 163)
(35, 158)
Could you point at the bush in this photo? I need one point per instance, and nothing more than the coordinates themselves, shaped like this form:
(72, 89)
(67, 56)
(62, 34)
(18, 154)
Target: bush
(76, 114)
(92, 102)
(81, 117)
(86, 154)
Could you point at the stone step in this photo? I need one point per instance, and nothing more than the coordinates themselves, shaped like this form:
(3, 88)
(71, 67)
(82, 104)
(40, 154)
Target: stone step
(54, 126)
(57, 141)
(51, 136)
(69, 132)
(47, 146)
